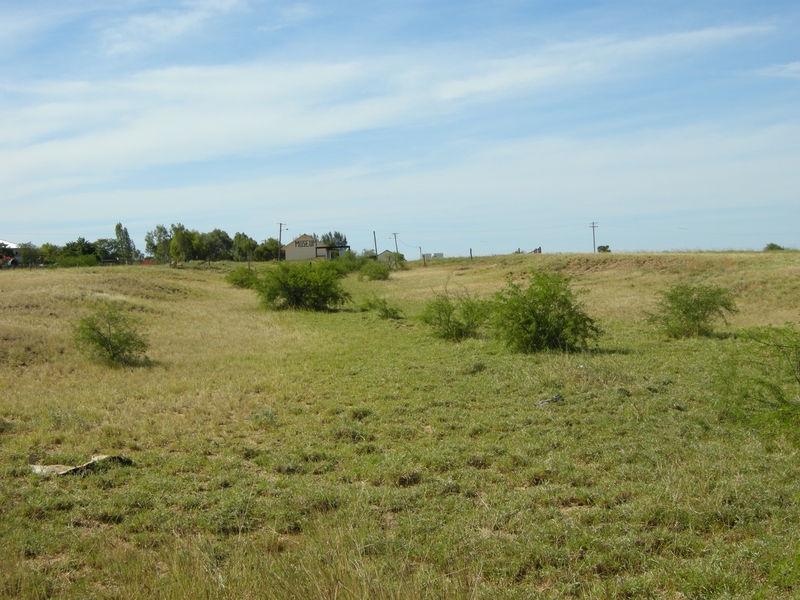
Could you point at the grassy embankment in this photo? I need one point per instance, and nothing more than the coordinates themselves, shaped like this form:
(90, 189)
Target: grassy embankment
(338, 455)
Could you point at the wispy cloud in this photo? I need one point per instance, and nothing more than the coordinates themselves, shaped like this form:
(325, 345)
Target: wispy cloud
(180, 115)
(790, 70)
(140, 31)
(583, 61)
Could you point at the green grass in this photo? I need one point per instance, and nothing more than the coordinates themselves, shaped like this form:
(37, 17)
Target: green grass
(303, 455)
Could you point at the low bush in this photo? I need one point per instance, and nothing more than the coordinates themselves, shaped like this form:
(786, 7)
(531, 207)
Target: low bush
(544, 316)
(243, 277)
(455, 316)
(86, 260)
(688, 310)
(383, 309)
(111, 334)
(374, 271)
(305, 286)
(772, 247)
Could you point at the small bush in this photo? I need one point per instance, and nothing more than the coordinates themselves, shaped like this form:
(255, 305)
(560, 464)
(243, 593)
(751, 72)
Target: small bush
(314, 286)
(374, 271)
(544, 316)
(382, 308)
(455, 316)
(111, 334)
(243, 277)
(603, 249)
(773, 247)
(688, 310)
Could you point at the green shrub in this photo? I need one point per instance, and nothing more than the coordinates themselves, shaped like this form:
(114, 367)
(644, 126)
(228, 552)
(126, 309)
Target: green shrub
(688, 310)
(374, 271)
(544, 316)
(86, 260)
(111, 334)
(243, 277)
(455, 316)
(306, 286)
(382, 308)
(771, 247)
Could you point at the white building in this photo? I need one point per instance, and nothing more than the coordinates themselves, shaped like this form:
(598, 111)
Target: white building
(14, 251)
(307, 247)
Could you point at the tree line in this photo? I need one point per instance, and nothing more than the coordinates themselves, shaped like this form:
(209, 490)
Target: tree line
(162, 245)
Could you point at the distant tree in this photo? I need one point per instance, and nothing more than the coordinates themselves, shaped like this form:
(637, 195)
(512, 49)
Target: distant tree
(79, 253)
(603, 249)
(333, 238)
(217, 245)
(29, 253)
(106, 249)
(79, 247)
(269, 250)
(48, 252)
(126, 249)
(157, 243)
(772, 247)
(185, 244)
(244, 247)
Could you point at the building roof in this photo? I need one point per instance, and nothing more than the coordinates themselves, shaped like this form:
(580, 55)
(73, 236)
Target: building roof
(9, 244)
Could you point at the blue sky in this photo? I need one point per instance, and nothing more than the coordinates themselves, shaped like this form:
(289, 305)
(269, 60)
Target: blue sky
(485, 125)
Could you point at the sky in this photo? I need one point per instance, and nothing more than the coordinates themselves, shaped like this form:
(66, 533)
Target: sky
(460, 126)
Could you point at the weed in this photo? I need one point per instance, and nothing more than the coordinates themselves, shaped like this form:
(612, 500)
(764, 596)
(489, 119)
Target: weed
(382, 308)
(544, 316)
(688, 310)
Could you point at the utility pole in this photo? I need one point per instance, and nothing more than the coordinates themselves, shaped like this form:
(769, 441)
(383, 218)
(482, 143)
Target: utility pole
(396, 251)
(375, 239)
(281, 227)
(593, 225)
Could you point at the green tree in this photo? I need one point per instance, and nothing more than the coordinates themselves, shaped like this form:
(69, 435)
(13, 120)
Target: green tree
(185, 244)
(157, 244)
(269, 250)
(216, 245)
(106, 249)
(546, 315)
(126, 249)
(29, 253)
(244, 247)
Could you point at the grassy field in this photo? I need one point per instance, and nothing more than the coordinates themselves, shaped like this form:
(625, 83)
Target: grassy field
(338, 455)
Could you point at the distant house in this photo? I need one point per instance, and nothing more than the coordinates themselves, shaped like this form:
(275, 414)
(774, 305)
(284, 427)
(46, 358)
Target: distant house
(306, 247)
(10, 253)
(386, 256)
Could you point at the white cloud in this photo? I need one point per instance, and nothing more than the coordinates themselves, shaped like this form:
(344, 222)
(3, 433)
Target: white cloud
(140, 31)
(97, 131)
